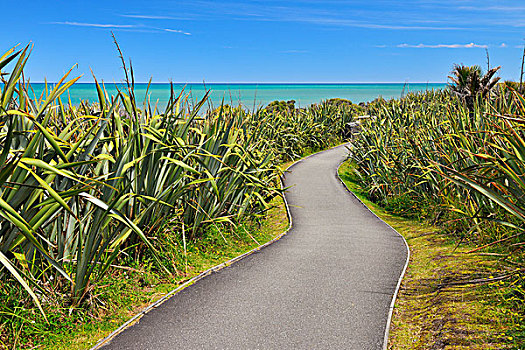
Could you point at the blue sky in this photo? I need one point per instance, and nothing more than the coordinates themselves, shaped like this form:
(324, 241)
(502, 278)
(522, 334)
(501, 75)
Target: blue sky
(267, 41)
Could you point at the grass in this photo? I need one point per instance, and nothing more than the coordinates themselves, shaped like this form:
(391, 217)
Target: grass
(436, 307)
(125, 292)
(430, 312)
(459, 164)
(129, 289)
(103, 194)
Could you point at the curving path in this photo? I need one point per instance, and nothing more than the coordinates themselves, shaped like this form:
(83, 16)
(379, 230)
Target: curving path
(327, 284)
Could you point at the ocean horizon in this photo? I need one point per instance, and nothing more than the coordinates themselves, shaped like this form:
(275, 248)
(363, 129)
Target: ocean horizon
(252, 95)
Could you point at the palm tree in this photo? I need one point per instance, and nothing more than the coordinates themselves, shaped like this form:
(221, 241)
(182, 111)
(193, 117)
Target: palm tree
(469, 83)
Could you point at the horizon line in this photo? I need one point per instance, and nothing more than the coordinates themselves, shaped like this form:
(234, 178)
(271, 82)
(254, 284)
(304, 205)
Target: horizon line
(261, 83)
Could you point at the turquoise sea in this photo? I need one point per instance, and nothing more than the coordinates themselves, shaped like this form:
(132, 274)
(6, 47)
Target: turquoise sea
(253, 94)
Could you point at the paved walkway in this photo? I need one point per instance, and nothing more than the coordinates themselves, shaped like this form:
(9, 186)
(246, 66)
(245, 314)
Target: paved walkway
(327, 284)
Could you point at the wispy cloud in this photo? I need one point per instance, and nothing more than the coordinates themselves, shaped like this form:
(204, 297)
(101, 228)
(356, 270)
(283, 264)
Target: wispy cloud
(126, 27)
(409, 15)
(443, 46)
(346, 15)
(175, 31)
(340, 22)
(154, 17)
(294, 51)
(493, 8)
(96, 25)
(359, 24)
(146, 16)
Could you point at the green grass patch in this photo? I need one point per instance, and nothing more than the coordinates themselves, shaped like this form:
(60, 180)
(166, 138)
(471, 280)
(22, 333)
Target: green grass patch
(448, 299)
(128, 289)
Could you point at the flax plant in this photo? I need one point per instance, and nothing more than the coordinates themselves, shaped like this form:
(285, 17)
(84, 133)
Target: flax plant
(429, 149)
(83, 185)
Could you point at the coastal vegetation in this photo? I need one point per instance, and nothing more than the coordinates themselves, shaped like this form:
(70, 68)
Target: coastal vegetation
(107, 204)
(440, 304)
(105, 193)
(470, 83)
(456, 158)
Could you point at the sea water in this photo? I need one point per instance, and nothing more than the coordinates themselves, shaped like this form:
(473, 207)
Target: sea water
(253, 94)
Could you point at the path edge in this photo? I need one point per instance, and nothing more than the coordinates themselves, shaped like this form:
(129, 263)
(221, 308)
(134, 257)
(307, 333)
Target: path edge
(215, 268)
(401, 276)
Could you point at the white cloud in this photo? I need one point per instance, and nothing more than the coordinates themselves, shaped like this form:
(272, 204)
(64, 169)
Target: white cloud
(346, 15)
(443, 46)
(354, 23)
(96, 25)
(147, 16)
(493, 8)
(124, 27)
(176, 31)
(503, 45)
(185, 17)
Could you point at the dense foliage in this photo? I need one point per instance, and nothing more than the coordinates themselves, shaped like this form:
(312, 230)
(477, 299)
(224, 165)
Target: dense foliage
(428, 148)
(432, 155)
(83, 185)
(469, 83)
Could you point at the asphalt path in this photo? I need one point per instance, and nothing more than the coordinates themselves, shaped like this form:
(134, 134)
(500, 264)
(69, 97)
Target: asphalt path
(327, 284)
